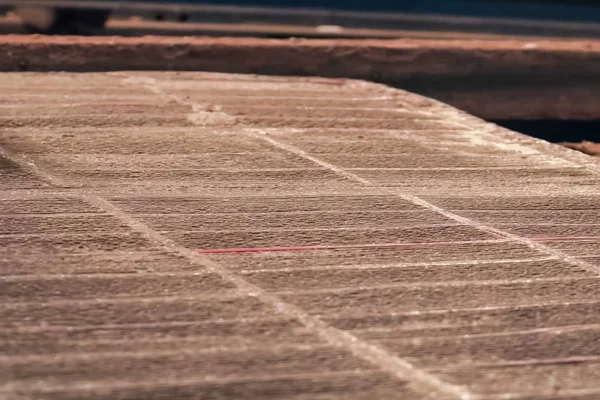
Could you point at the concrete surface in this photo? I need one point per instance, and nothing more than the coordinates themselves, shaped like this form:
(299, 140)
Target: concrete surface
(493, 79)
(173, 235)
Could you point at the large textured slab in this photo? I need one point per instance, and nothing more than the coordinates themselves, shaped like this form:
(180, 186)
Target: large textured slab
(196, 235)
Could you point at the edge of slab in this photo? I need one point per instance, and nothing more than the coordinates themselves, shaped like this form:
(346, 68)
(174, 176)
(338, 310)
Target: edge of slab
(492, 79)
(332, 57)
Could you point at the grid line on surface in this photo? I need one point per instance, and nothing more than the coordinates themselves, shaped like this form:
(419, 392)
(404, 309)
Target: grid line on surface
(371, 353)
(427, 205)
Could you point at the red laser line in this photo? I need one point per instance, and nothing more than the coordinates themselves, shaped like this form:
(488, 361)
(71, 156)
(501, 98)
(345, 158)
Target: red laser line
(564, 238)
(341, 246)
(372, 245)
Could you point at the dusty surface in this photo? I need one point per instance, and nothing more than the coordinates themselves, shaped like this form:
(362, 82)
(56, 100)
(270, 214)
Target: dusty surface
(193, 235)
(493, 79)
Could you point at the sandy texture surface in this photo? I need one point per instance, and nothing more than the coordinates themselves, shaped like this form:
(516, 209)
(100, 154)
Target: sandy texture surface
(171, 235)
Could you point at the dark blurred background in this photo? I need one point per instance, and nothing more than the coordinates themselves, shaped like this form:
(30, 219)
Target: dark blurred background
(68, 13)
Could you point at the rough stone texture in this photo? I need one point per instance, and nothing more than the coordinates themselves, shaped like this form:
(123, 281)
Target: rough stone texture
(493, 79)
(173, 235)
